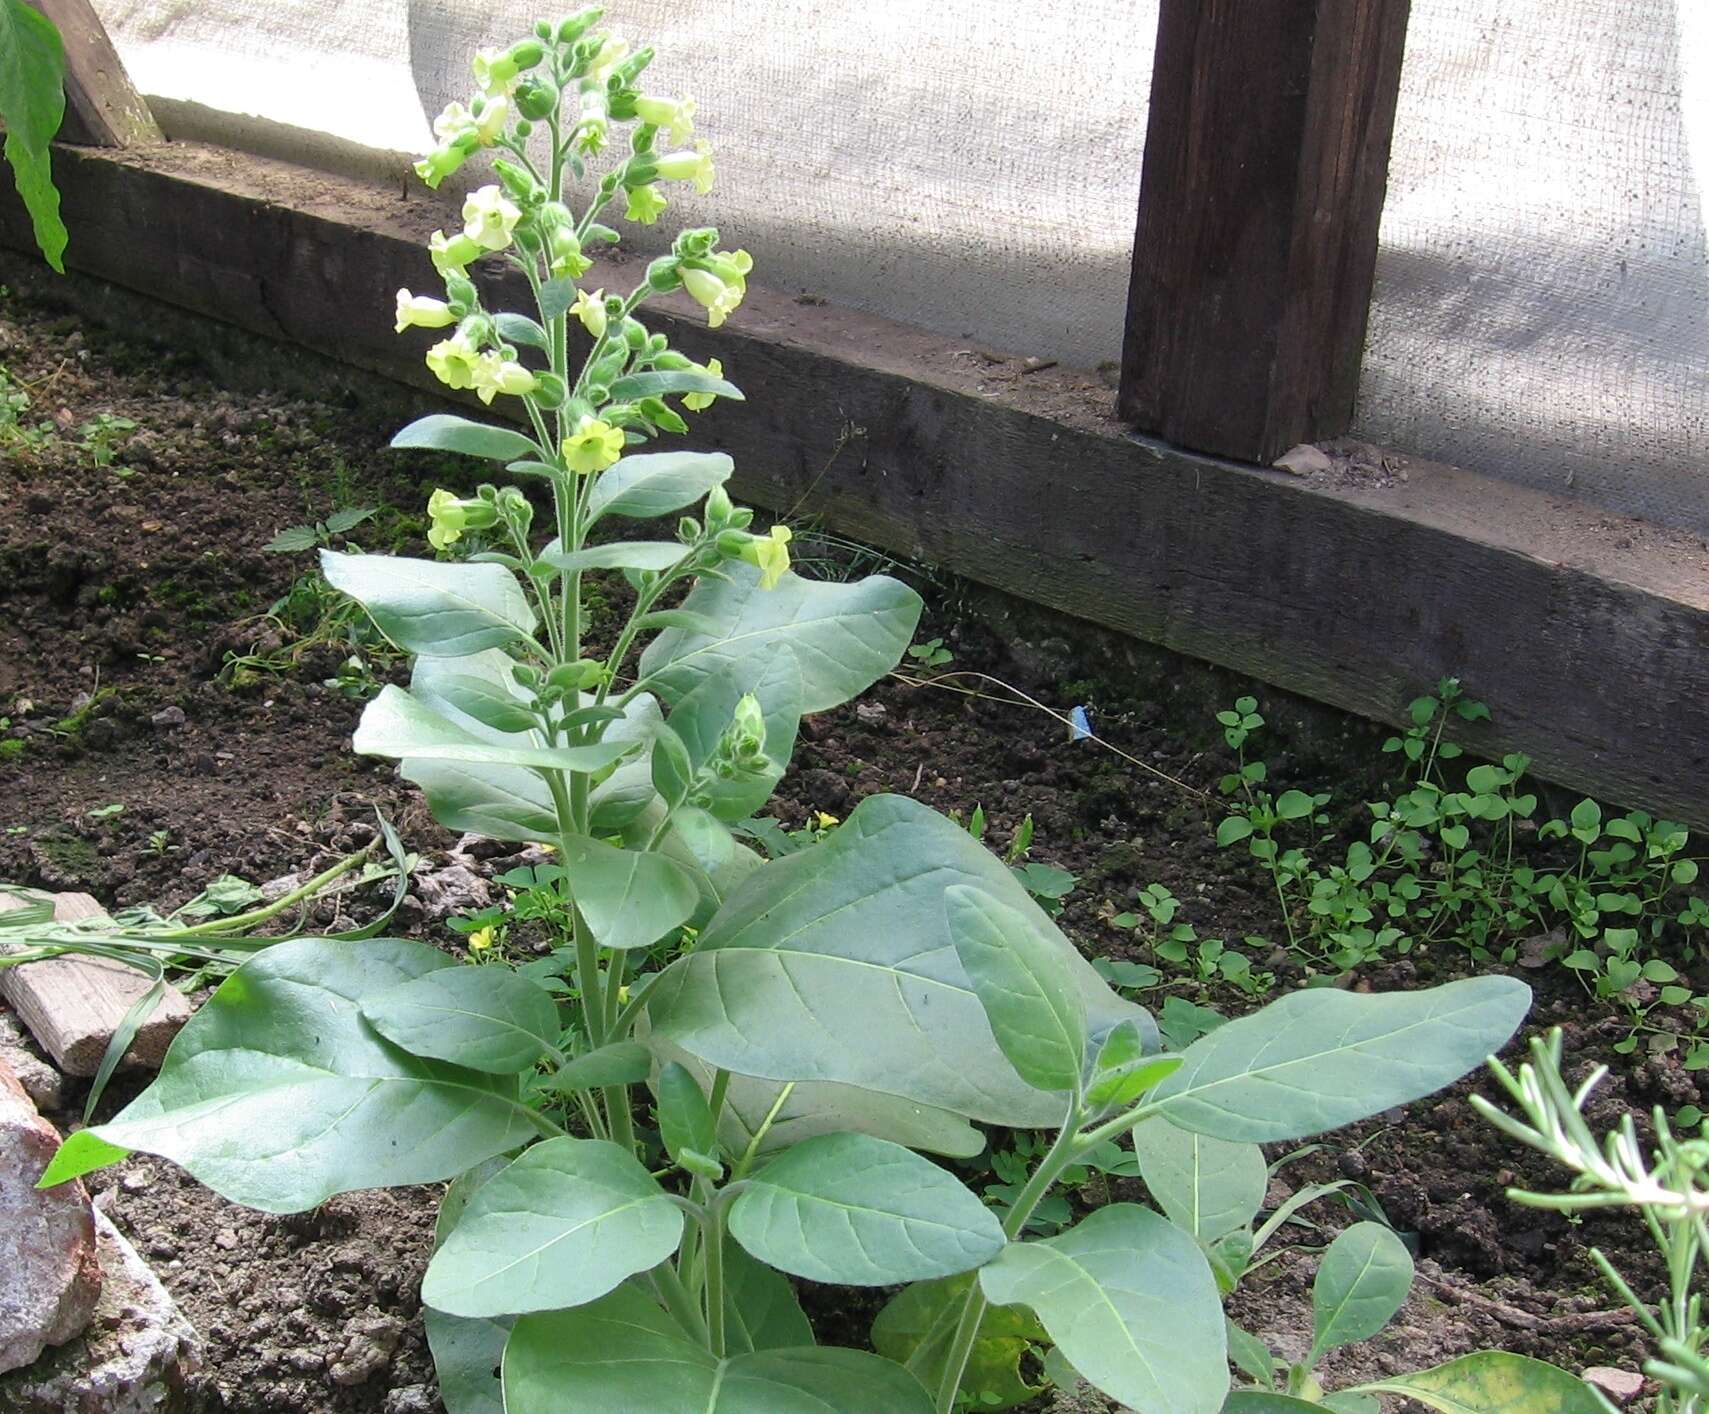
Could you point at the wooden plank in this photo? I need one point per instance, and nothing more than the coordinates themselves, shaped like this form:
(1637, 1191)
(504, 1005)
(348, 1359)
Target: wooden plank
(102, 106)
(74, 1005)
(1266, 160)
(1586, 632)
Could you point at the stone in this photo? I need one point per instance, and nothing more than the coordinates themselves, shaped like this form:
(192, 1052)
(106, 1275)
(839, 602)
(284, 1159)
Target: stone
(42, 1083)
(133, 1359)
(1304, 460)
(1621, 1386)
(369, 1343)
(168, 717)
(50, 1277)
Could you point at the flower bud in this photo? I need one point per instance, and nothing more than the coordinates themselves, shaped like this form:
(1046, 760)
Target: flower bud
(526, 53)
(517, 181)
(543, 29)
(767, 553)
(660, 413)
(524, 675)
(718, 508)
(418, 311)
(536, 97)
(577, 676)
(662, 275)
(449, 516)
(634, 334)
(668, 360)
(578, 24)
(460, 295)
(590, 309)
(549, 391)
(688, 530)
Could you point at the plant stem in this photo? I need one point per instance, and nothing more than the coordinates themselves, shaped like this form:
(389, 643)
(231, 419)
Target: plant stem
(1060, 1155)
(239, 922)
(715, 1276)
(678, 1300)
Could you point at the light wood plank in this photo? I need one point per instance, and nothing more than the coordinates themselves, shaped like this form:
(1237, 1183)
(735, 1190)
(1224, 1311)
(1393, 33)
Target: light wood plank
(102, 106)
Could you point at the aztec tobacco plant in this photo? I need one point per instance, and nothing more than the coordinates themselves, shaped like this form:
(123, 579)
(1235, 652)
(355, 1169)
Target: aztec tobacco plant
(732, 1071)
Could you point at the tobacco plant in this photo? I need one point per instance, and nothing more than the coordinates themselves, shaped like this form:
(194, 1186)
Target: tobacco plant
(733, 1071)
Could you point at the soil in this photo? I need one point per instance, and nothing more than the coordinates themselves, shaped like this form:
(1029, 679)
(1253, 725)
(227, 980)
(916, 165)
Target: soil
(133, 603)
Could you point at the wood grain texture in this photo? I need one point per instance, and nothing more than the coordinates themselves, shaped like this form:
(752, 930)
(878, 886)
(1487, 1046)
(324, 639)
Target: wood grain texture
(1266, 161)
(74, 1005)
(102, 106)
(1587, 633)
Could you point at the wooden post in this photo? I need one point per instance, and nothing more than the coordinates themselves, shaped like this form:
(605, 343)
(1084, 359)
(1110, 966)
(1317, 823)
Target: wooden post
(102, 108)
(1266, 159)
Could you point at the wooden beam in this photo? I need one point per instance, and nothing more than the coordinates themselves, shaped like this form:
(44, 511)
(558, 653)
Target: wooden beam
(1587, 633)
(102, 107)
(1266, 160)
(73, 1005)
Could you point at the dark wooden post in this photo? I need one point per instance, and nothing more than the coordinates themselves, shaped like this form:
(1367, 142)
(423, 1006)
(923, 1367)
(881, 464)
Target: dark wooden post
(1266, 159)
(102, 107)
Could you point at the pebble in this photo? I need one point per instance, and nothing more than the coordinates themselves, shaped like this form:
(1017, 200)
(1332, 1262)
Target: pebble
(169, 717)
(1621, 1386)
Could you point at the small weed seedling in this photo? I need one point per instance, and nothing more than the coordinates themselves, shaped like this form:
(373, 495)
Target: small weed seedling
(102, 436)
(931, 653)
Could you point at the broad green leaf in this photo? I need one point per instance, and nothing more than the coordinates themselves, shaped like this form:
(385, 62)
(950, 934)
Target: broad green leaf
(656, 483)
(1494, 1382)
(556, 296)
(844, 636)
(441, 610)
(520, 329)
(486, 1018)
(760, 1309)
(1361, 1282)
(1263, 1401)
(835, 964)
(1322, 1058)
(485, 700)
(685, 1118)
(1208, 1186)
(398, 724)
(561, 1226)
(274, 1091)
(1251, 1356)
(32, 106)
(1130, 1299)
(1022, 979)
(813, 1108)
(925, 1314)
(702, 716)
(859, 1211)
(466, 1356)
(623, 1354)
(620, 555)
(629, 899)
(656, 384)
(444, 433)
(620, 1063)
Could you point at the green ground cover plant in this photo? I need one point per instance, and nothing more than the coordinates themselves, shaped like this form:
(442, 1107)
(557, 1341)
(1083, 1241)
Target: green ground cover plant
(731, 1070)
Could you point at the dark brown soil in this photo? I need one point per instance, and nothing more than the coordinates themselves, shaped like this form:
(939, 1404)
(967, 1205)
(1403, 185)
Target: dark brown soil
(122, 599)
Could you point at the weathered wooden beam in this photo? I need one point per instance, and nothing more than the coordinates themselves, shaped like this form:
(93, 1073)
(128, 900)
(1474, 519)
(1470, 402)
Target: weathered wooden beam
(1266, 160)
(1586, 633)
(74, 1005)
(102, 106)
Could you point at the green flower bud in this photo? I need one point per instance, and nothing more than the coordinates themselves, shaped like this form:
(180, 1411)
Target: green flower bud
(526, 53)
(662, 276)
(600, 235)
(536, 97)
(549, 391)
(515, 509)
(718, 508)
(578, 24)
(658, 412)
(517, 182)
(669, 360)
(524, 128)
(741, 518)
(524, 676)
(688, 530)
(460, 295)
(577, 676)
(634, 333)
(695, 242)
(543, 29)
(630, 69)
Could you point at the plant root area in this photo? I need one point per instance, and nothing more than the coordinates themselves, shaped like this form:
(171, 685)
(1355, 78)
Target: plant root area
(139, 668)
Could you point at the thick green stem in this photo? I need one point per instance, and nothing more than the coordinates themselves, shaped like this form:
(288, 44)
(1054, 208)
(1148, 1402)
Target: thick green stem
(715, 1278)
(678, 1300)
(1061, 1154)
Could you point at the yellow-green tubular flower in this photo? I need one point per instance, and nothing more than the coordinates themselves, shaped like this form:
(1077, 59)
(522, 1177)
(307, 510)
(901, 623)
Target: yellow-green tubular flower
(496, 72)
(420, 312)
(489, 127)
(449, 516)
(451, 255)
(699, 402)
(489, 217)
(693, 167)
(645, 204)
(453, 121)
(453, 361)
(716, 295)
(767, 553)
(590, 309)
(441, 163)
(676, 114)
(593, 446)
(495, 374)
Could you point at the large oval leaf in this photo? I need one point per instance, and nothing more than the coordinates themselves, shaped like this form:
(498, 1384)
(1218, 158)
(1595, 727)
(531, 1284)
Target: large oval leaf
(654, 384)
(444, 433)
(656, 483)
(1131, 1301)
(844, 636)
(561, 1226)
(32, 106)
(619, 555)
(398, 725)
(466, 1357)
(859, 1211)
(835, 964)
(761, 1311)
(1322, 1058)
(1208, 1186)
(1361, 1282)
(1022, 979)
(487, 1018)
(423, 606)
(1494, 1382)
(623, 1354)
(278, 1095)
(917, 1326)
(630, 899)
